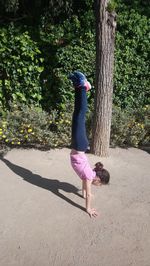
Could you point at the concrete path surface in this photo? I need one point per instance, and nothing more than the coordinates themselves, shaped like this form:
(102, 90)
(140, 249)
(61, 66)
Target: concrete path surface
(42, 217)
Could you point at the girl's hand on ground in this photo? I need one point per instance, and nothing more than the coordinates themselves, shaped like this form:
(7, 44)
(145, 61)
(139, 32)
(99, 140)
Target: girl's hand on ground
(92, 213)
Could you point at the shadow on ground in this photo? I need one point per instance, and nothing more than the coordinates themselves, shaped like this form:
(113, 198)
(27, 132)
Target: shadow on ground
(52, 185)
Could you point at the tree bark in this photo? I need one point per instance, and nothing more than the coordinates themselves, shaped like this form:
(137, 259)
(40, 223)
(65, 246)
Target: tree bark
(105, 36)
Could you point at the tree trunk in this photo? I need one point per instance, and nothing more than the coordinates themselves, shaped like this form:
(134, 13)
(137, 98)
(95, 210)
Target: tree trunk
(105, 36)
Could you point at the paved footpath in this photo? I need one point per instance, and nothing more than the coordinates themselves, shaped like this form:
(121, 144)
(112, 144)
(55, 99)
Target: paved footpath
(42, 217)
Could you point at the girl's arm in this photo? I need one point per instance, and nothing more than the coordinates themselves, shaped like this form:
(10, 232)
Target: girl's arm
(90, 211)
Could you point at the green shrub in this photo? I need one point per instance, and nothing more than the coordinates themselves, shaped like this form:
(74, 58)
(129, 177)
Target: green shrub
(25, 125)
(20, 67)
(130, 127)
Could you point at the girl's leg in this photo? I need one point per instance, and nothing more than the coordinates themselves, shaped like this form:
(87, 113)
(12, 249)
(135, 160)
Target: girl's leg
(81, 85)
(79, 137)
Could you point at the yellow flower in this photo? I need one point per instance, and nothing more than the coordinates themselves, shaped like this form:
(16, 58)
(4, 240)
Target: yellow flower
(12, 142)
(26, 136)
(1, 132)
(1, 129)
(67, 121)
(30, 130)
(6, 140)
(21, 131)
(4, 136)
(18, 142)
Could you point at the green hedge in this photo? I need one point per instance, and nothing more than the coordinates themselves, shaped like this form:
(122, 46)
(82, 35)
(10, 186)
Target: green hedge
(65, 48)
(131, 77)
(20, 67)
(36, 71)
(75, 50)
